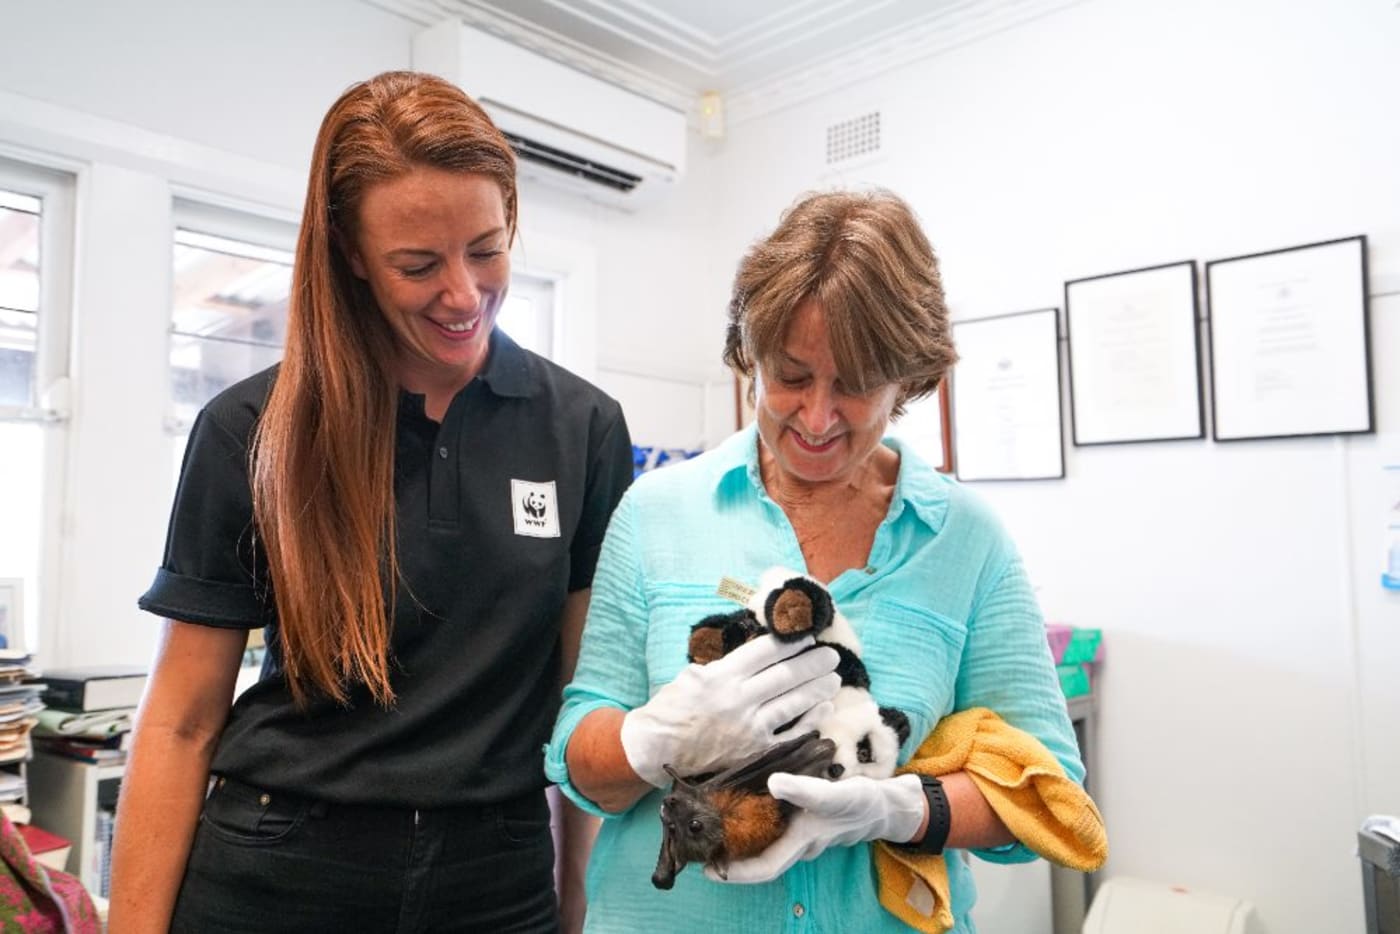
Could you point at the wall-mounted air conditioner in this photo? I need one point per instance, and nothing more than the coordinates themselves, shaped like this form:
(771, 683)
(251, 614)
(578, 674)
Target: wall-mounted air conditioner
(569, 129)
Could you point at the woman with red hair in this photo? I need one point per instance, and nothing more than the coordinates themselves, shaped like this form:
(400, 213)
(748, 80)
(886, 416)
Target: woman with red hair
(412, 507)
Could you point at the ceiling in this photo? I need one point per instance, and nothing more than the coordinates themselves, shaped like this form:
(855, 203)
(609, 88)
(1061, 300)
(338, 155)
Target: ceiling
(759, 54)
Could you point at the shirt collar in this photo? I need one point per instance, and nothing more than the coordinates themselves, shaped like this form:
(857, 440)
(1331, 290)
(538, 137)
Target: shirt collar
(507, 370)
(918, 485)
(507, 373)
(737, 458)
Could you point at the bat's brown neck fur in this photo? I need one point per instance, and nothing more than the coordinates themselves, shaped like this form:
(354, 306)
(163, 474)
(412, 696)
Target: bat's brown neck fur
(751, 822)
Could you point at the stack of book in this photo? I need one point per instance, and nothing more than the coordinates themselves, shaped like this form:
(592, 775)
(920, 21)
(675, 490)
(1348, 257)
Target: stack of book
(89, 712)
(19, 707)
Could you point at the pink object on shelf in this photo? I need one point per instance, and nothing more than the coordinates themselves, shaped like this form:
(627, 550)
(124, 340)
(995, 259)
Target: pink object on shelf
(1074, 644)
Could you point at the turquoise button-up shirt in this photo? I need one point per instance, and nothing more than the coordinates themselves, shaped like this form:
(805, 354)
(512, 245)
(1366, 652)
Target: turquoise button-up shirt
(946, 620)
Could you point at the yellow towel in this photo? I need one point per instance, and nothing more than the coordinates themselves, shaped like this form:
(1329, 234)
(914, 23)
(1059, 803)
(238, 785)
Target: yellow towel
(1027, 789)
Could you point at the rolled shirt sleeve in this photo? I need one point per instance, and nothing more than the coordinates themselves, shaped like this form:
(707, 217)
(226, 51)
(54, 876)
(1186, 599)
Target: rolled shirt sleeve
(211, 572)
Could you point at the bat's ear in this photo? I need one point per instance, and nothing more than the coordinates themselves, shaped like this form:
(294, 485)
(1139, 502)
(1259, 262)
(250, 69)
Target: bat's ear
(675, 777)
(664, 876)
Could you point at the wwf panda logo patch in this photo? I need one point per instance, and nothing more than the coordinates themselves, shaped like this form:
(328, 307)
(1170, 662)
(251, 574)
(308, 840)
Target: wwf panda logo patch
(535, 508)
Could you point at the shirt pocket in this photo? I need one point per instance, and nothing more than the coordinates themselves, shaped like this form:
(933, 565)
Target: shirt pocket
(673, 609)
(912, 655)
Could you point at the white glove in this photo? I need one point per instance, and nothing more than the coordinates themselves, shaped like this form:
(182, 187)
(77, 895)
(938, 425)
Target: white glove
(833, 814)
(719, 713)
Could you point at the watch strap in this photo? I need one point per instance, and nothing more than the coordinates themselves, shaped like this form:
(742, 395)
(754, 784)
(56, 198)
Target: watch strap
(939, 819)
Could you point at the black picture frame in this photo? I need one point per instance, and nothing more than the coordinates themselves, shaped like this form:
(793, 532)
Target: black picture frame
(1303, 350)
(1135, 370)
(1039, 338)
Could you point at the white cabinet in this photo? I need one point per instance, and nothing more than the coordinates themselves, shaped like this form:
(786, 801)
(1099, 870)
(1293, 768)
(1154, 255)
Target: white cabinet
(65, 796)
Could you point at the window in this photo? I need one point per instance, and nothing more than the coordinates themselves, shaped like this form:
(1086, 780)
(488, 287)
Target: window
(528, 313)
(232, 276)
(35, 276)
(229, 318)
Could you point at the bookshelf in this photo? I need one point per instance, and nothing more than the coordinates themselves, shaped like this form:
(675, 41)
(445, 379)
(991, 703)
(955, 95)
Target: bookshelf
(66, 795)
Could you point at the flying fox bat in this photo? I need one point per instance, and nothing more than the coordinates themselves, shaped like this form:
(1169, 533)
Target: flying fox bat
(730, 815)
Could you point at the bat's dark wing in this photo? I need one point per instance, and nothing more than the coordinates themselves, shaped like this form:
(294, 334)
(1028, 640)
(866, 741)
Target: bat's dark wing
(807, 754)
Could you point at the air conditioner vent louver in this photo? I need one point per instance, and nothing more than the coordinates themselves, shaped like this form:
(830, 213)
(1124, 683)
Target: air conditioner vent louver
(538, 153)
(572, 131)
(854, 138)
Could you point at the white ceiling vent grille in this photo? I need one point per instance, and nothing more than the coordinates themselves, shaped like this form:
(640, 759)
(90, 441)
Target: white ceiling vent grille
(856, 138)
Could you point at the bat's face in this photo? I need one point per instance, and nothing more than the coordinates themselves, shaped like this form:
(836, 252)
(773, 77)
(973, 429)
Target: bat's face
(691, 832)
(730, 813)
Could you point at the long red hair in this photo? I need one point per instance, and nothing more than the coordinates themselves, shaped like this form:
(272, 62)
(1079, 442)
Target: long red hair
(322, 460)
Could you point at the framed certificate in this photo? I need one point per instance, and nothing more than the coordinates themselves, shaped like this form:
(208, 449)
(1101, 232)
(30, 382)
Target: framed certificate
(1290, 344)
(927, 427)
(1007, 418)
(1134, 360)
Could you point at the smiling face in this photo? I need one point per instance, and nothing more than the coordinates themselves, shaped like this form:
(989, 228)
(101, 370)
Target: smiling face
(433, 246)
(814, 427)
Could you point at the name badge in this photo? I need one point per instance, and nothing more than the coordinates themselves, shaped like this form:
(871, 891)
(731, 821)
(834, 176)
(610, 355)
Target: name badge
(535, 508)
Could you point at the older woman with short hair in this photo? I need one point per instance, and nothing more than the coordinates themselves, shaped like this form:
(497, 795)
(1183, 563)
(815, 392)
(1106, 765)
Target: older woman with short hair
(839, 318)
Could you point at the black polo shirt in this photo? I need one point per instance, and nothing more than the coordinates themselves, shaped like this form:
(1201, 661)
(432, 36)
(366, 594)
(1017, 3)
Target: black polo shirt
(501, 513)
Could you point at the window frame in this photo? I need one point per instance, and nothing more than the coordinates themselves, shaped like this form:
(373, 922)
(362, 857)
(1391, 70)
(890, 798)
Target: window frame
(57, 190)
(230, 219)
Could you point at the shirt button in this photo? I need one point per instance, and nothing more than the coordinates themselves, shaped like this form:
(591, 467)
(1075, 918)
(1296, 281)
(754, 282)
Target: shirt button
(798, 910)
(265, 800)
(442, 452)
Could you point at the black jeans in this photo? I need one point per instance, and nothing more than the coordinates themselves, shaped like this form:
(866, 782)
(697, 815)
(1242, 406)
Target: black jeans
(269, 862)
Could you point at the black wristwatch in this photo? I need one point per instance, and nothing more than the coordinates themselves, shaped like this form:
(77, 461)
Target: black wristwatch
(939, 820)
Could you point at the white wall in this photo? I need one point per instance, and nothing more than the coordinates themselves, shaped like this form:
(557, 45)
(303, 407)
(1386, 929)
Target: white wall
(1250, 705)
(252, 77)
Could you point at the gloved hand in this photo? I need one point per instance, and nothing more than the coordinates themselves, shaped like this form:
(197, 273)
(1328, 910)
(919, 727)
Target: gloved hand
(728, 709)
(833, 814)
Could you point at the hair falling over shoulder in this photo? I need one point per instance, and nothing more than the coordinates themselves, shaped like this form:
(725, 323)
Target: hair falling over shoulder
(322, 461)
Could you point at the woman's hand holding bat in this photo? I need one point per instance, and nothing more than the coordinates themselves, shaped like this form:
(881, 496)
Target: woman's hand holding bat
(833, 814)
(730, 708)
